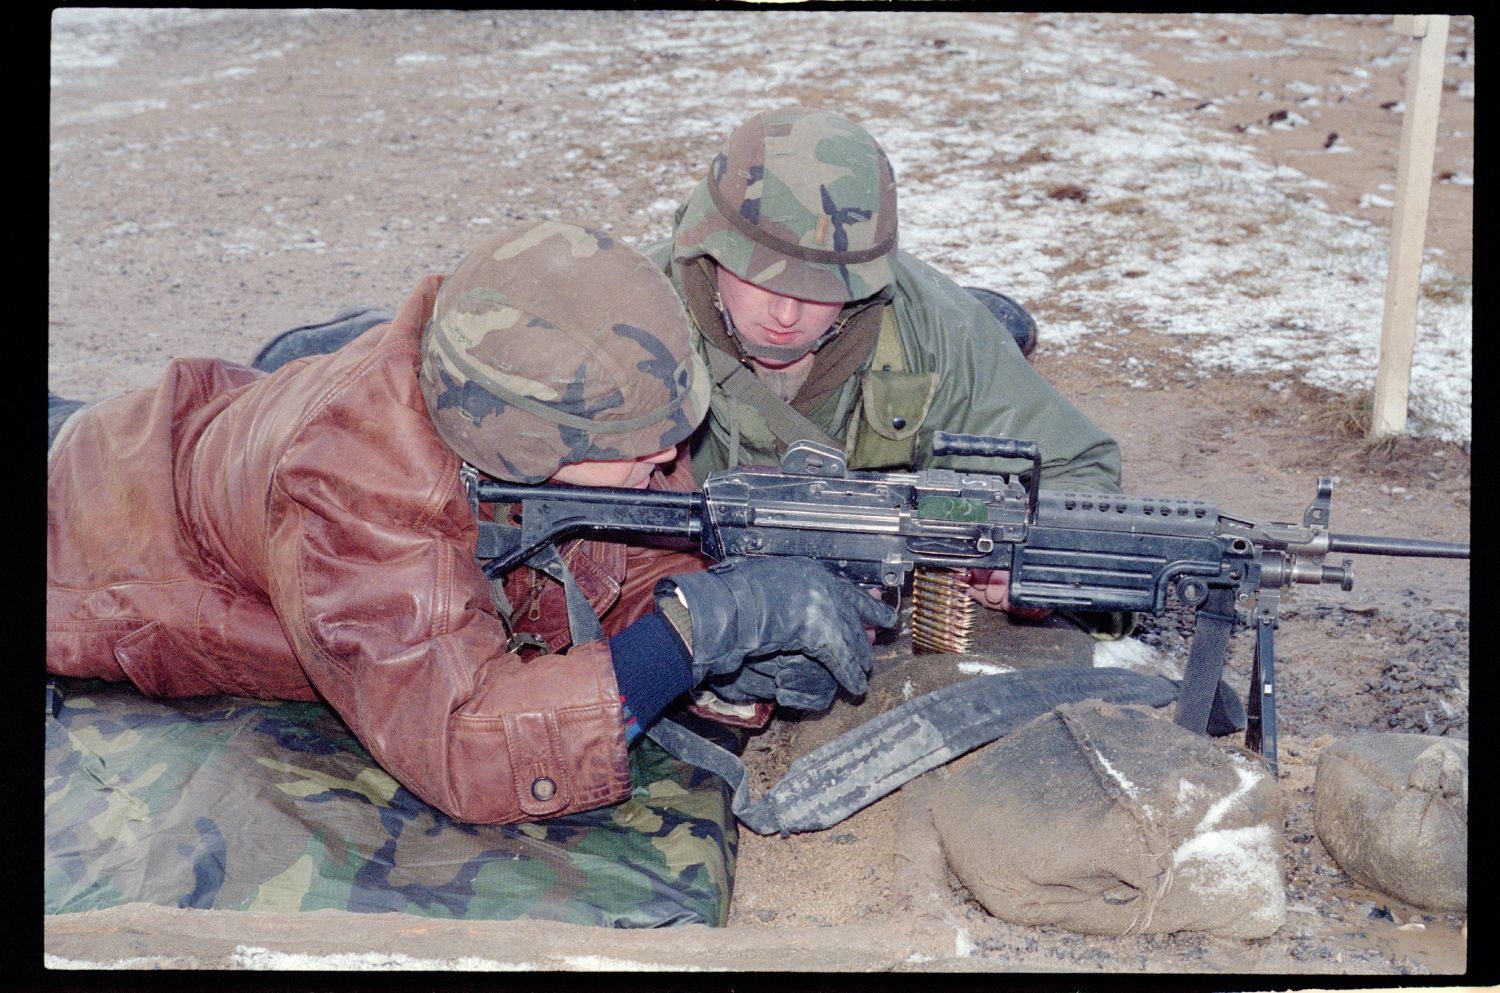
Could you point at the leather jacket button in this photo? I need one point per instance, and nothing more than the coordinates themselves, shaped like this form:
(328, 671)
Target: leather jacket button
(543, 789)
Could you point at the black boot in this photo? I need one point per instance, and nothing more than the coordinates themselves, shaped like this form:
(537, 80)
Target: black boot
(318, 339)
(58, 410)
(1011, 315)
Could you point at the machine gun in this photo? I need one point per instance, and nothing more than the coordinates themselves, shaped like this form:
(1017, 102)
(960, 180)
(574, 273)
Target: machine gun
(1064, 550)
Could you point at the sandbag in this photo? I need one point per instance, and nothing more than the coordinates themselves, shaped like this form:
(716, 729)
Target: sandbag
(1105, 819)
(1393, 811)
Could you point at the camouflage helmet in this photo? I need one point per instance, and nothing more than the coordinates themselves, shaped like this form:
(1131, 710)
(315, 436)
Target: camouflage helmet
(799, 202)
(552, 344)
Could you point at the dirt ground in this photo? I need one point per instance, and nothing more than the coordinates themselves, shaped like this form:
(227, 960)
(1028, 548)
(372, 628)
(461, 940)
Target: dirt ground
(197, 206)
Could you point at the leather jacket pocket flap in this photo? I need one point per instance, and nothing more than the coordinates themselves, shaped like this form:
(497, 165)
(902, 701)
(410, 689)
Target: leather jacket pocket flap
(536, 757)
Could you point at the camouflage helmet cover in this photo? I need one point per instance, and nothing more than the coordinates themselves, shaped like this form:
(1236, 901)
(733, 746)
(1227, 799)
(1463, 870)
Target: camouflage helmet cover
(552, 344)
(799, 202)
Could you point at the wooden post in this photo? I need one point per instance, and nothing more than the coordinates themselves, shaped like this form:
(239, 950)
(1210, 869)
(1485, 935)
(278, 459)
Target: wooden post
(1424, 85)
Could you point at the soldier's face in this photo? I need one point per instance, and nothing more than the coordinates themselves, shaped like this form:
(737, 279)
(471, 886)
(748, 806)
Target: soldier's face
(630, 473)
(766, 318)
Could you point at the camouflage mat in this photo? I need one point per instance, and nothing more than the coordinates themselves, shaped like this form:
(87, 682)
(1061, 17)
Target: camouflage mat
(234, 804)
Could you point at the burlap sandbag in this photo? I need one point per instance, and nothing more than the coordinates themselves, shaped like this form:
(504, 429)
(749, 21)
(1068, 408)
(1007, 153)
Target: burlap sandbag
(1109, 820)
(1393, 811)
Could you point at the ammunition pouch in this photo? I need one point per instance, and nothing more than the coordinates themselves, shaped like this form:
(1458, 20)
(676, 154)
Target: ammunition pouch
(893, 405)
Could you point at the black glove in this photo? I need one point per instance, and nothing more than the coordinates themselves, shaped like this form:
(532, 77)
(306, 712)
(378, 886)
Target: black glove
(756, 608)
(792, 680)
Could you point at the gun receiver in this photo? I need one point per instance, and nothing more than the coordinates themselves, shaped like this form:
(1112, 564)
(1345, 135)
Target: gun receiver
(1063, 550)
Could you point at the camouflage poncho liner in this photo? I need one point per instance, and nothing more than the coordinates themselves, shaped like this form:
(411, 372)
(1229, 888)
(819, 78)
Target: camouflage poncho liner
(228, 803)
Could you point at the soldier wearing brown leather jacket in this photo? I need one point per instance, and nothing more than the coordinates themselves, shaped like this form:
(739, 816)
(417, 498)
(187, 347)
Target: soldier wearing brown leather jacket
(308, 534)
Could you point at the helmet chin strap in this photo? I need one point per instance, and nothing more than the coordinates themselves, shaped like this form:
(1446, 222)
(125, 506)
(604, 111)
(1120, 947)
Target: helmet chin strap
(775, 353)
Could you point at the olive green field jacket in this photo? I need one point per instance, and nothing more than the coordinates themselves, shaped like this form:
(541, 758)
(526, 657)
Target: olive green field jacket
(959, 370)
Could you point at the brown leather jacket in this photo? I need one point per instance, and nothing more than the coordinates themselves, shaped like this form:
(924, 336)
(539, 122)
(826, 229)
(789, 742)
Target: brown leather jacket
(305, 535)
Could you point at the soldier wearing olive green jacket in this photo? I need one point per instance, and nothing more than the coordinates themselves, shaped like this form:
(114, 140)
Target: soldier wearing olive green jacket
(814, 325)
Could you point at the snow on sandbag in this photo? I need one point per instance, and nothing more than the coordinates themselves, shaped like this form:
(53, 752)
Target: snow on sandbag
(1393, 811)
(1105, 819)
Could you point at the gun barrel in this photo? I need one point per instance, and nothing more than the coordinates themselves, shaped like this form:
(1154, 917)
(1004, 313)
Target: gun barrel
(1369, 544)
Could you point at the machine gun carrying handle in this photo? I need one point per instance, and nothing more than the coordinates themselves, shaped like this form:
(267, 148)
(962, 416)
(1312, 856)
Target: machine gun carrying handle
(985, 446)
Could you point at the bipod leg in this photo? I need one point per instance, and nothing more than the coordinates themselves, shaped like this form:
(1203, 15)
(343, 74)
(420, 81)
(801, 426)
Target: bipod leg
(1260, 707)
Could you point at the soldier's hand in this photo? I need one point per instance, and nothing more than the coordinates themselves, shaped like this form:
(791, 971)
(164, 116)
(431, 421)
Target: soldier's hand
(791, 680)
(991, 587)
(759, 608)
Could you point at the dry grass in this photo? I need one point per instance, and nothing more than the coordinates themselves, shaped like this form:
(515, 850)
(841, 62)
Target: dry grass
(1345, 419)
(1345, 415)
(1446, 289)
